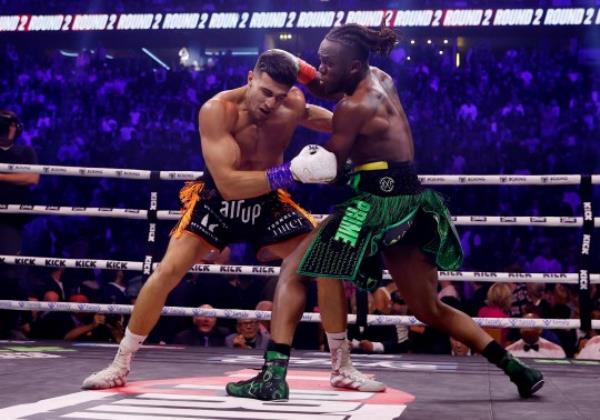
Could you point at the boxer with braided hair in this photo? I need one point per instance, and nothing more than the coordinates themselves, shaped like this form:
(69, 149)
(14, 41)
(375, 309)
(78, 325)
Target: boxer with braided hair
(391, 218)
(362, 40)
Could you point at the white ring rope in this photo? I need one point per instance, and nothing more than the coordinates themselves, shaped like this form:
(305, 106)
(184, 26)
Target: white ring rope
(98, 172)
(140, 214)
(83, 211)
(190, 175)
(267, 271)
(20, 305)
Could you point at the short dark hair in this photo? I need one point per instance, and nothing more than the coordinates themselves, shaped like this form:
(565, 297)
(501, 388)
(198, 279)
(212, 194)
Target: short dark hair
(277, 65)
(363, 40)
(7, 118)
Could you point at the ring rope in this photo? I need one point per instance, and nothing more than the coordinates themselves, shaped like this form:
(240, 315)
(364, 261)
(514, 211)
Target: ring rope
(588, 222)
(190, 175)
(99, 172)
(140, 214)
(20, 305)
(267, 271)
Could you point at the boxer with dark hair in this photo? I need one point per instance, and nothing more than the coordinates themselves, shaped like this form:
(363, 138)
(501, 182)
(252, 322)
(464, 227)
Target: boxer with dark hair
(241, 197)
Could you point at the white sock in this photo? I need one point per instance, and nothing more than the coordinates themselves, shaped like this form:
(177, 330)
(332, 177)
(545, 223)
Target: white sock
(335, 340)
(129, 345)
(340, 349)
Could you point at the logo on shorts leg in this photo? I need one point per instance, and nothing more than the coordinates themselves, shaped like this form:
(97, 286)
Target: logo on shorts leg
(242, 211)
(286, 224)
(352, 223)
(210, 226)
(386, 184)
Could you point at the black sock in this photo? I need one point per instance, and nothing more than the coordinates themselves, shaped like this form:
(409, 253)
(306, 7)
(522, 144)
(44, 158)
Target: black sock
(494, 353)
(280, 348)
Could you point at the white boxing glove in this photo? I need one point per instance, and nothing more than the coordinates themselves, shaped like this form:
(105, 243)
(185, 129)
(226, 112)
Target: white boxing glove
(313, 165)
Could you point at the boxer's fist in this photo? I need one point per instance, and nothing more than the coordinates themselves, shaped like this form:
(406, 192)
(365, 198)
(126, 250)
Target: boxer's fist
(314, 164)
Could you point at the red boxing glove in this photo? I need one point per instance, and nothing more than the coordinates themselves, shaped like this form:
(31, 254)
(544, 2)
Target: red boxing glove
(306, 72)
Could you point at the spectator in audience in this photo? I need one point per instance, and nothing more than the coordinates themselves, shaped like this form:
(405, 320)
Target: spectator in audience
(520, 300)
(205, 333)
(242, 292)
(564, 307)
(92, 327)
(14, 189)
(537, 296)
(532, 344)
(50, 325)
(264, 305)
(115, 291)
(51, 296)
(478, 298)
(248, 336)
(378, 338)
(96, 329)
(520, 297)
(589, 345)
(28, 319)
(591, 349)
(53, 282)
(498, 303)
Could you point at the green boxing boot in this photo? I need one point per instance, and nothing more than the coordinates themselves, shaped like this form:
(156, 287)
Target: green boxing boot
(527, 380)
(269, 384)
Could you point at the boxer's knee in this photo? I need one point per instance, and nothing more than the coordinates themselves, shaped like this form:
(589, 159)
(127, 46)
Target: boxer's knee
(166, 276)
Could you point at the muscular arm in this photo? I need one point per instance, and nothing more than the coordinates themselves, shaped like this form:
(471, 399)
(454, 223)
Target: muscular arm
(26, 180)
(317, 118)
(222, 153)
(348, 120)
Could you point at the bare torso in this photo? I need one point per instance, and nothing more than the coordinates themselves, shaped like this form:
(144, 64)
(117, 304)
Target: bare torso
(386, 135)
(262, 144)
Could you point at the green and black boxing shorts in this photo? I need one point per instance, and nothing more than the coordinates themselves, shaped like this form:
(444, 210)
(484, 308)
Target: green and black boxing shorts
(389, 206)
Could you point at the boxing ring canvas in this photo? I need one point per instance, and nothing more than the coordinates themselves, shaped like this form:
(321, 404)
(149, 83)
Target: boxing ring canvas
(41, 380)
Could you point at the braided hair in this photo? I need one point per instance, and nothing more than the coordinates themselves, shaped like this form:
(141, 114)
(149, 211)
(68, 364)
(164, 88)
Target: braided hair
(364, 40)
